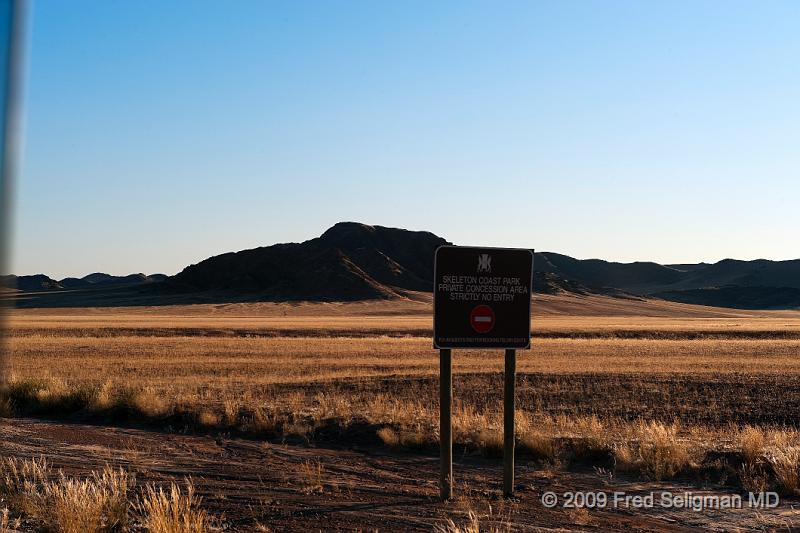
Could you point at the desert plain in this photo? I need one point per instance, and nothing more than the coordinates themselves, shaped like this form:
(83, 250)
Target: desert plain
(324, 416)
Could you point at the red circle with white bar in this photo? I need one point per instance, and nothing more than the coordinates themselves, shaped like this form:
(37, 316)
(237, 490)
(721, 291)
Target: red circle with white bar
(482, 319)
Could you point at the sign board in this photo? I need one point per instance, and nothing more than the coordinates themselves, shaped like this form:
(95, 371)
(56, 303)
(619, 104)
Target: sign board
(482, 297)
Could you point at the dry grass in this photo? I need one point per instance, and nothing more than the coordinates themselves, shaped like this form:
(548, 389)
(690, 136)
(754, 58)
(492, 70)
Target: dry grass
(173, 510)
(785, 464)
(6, 409)
(751, 442)
(102, 502)
(310, 476)
(185, 364)
(159, 366)
(22, 484)
(389, 437)
(97, 504)
(475, 522)
(415, 438)
(602, 389)
(655, 449)
(662, 453)
(6, 524)
(580, 516)
(472, 525)
(754, 478)
(287, 386)
(540, 446)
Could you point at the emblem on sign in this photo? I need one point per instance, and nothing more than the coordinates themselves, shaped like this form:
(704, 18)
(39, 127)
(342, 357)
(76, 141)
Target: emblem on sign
(485, 263)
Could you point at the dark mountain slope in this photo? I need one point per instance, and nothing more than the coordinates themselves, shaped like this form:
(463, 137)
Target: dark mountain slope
(74, 283)
(36, 282)
(651, 278)
(551, 283)
(395, 257)
(758, 273)
(97, 277)
(640, 277)
(101, 278)
(687, 267)
(738, 297)
(350, 261)
(40, 282)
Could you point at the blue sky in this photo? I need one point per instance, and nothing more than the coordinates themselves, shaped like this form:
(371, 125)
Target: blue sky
(160, 133)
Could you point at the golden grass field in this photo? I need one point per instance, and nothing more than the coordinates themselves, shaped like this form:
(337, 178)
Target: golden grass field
(186, 350)
(209, 358)
(654, 385)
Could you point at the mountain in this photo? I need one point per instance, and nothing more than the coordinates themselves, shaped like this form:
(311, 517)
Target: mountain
(100, 278)
(758, 273)
(41, 282)
(650, 278)
(350, 261)
(759, 284)
(686, 267)
(639, 278)
(550, 283)
(97, 277)
(73, 283)
(36, 282)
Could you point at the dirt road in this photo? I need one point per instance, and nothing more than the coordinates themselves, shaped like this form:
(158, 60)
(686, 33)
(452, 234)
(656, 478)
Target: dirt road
(296, 487)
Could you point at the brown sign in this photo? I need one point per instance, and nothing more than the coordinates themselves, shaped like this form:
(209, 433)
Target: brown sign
(482, 297)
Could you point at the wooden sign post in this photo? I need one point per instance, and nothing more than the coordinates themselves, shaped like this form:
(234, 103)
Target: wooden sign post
(509, 408)
(482, 299)
(446, 423)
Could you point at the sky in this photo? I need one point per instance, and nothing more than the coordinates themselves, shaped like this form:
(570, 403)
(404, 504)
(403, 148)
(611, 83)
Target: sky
(157, 134)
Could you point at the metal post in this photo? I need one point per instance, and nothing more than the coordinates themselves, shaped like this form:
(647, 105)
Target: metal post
(508, 422)
(446, 423)
(12, 66)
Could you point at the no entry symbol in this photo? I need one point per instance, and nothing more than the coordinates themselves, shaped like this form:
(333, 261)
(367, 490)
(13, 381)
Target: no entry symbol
(482, 319)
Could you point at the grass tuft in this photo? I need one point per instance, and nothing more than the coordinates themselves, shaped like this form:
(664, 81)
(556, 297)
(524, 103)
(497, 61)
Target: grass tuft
(389, 437)
(173, 510)
(785, 463)
(540, 446)
(662, 454)
(473, 524)
(753, 478)
(5, 522)
(751, 441)
(22, 483)
(94, 505)
(490, 442)
(311, 476)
